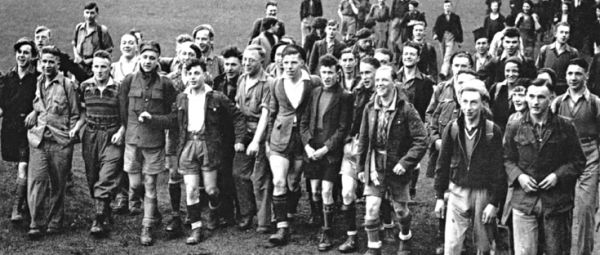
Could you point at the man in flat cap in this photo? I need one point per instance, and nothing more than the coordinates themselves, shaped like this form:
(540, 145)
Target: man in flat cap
(16, 99)
(145, 101)
(482, 46)
(317, 33)
(364, 44)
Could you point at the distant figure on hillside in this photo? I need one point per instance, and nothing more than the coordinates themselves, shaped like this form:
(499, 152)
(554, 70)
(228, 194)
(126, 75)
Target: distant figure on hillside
(90, 36)
(271, 11)
(309, 11)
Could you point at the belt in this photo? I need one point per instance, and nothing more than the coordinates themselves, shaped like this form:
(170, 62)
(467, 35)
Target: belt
(95, 126)
(196, 135)
(251, 119)
(588, 139)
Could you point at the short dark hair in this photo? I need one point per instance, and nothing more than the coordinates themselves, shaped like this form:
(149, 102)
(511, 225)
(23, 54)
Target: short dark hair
(413, 45)
(293, 49)
(184, 38)
(511, 32)
(328, 60)
(414, 3)
(270, 3)
(332, 23)
(510, 20)
(50, 49)
(91, 5)
(274, 49)
(579, 62)
(541, 83)
(102, 54)
(515, 60)
(268, 22)
(528, 2)
(195, 62)
(462, 54)
(232, 52)
(371, 61)
(385, 51)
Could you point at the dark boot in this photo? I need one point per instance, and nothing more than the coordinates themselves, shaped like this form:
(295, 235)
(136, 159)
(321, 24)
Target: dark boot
(372, 229)
(245, 222)
(212, 220)
(316, 209)
(20, 200)
(405, 235)
(372, 251)
(100, 208)
(174, 225)
(413, 183)
(135, 200)
(195, 237)
(281, 237)
(146, 236)
(325, 240)
(195, 215)
(349, 245)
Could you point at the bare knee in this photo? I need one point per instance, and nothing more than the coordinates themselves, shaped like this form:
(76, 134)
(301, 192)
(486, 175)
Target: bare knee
(279, 186)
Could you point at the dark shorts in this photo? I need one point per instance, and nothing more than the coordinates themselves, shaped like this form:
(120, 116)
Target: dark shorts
(144, 160)
(294, 149)
(398, 191)
(194, 158)
(322, 170)
(13, 141)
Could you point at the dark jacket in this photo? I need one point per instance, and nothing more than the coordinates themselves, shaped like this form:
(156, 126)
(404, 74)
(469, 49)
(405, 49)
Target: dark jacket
(483, 170)
(282, 113)
(362, 96)
(226, 86)
(524, 155)
(419, 91)
(593, 82)
(500, 104)
(220, 113)
(320, 49)
(310, 40)
(256, 29)
(336, 122)
(305, 11)
(407, 140)
(149, 92)
(427, 59)
(453, 26)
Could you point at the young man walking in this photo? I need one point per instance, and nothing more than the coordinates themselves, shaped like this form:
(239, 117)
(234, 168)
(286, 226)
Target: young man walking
(90, 36)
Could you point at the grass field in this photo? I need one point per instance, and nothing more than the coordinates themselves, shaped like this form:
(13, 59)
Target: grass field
(163, 21)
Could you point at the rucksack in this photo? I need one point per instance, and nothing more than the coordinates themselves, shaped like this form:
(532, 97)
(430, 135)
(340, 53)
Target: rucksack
(556, 104)
(100, 29)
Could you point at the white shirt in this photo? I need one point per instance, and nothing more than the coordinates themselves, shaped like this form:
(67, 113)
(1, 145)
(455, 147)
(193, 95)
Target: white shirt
(294, 91)
(196, 108)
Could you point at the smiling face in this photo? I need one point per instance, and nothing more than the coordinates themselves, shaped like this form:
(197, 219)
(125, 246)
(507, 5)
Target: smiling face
(511, 72)
(510, 44)
(195, 77)
(203, 40)
(129, 45)
(251, 62)
(148, 60)
(410, 56)
(518, 98)
(292, 65)
(271, 11)
(185, 53)
(471, 104)
(576, 77)
(49, 64)
(482, 46)
(24, 55)
(384, 83)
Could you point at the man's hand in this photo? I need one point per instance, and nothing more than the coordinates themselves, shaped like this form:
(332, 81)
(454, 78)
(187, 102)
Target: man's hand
(527, 183)
(310, 152)
(399, 169)
(239, 147)
(252, 149)
(144, 116)
(117, 138)
(320, 153)
(440, 209)
(77, 59)
(374, 176)
(489, 214)
(438, 144)
(361, 178)
(31, 119)
(73, 132)
(435, 37)
(549, 182)
(1, 112)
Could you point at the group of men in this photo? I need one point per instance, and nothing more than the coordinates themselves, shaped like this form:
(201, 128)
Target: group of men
(511, 141)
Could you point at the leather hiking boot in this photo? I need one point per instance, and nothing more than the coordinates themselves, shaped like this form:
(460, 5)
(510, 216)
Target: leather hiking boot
(195, 237)
(34, 233)
(372, 251)
(389, 235)
(349, 245)
(281, 237)
(245, 223)
(174, 225)
(146, 236)
(97, 228)
(212, 220)
(135, 208)
(16, 216)
(324, 241)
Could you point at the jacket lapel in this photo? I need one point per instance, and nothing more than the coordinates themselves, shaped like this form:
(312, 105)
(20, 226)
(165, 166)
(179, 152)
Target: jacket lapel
(335, 99)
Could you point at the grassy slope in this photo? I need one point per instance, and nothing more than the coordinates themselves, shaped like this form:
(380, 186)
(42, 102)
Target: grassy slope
(163, 21)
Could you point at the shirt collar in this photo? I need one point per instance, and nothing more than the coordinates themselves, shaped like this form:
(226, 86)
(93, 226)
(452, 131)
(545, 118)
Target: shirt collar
(504, 55)
(392, 106)
(565, 47)
(189, 92)
(586, 95)
(418, 74)
(57, 79)
(29, 70)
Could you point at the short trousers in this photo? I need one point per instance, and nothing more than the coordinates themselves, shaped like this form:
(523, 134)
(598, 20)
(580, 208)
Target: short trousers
(194, 158)
(398, 191)
(294, 149)
(15, 147)
(350, 159)
(322, 170)
(144, 160)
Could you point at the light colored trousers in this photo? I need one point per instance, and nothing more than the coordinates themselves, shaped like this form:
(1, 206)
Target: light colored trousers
(586, 202)
(447, 49)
